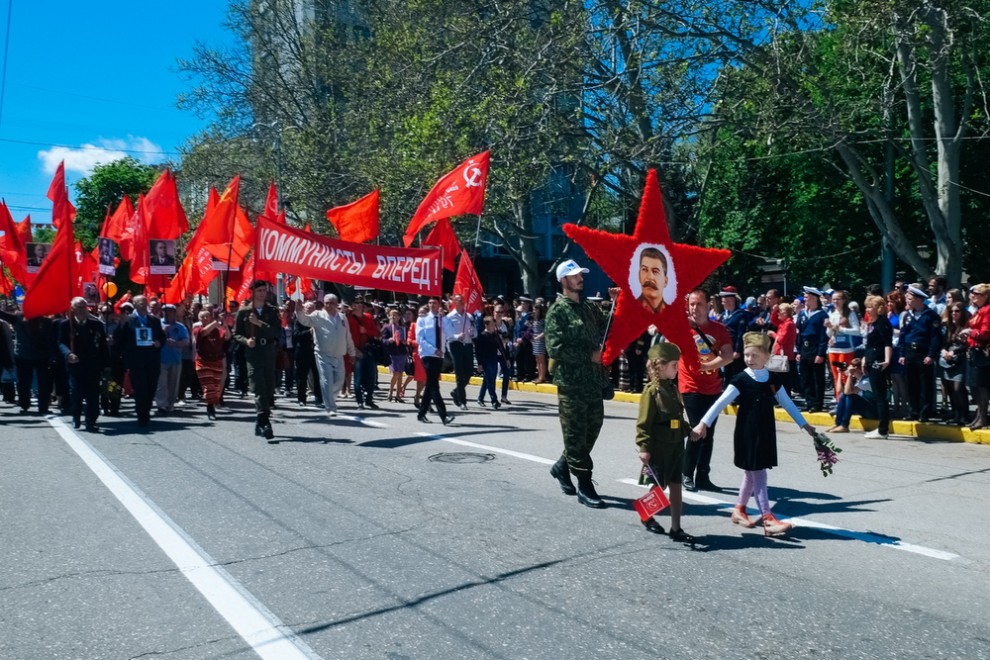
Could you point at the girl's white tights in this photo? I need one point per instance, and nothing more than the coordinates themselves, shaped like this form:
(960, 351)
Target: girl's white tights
(754, 483)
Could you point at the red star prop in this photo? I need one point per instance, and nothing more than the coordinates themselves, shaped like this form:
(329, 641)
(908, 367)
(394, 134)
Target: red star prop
(622, 258)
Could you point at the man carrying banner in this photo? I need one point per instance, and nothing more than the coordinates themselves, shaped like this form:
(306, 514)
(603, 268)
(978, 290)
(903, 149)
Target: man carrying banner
(573, 332)
(257, 328)
(460, 332)
(364, 329)
(140, 338)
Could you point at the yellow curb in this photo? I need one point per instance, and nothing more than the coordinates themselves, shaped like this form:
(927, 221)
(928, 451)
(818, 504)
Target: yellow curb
(823, 420)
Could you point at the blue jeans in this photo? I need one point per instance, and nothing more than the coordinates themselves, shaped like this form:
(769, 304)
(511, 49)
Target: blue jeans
(489, 372)
(853, 404)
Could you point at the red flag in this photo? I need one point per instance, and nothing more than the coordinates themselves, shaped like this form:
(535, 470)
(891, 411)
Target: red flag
(228, 235)
(443, 235)
(88, 267)
(460, 192)
(468, 285)
(55, 283)
(357, 221)
(116, 224)
(134, 243)
(271, 204)
(12, 250)
(247, 276)
(166, 218)
(57, 190)
(24, 229)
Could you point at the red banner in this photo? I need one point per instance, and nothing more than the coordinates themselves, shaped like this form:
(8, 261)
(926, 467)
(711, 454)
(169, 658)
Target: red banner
(280, 248)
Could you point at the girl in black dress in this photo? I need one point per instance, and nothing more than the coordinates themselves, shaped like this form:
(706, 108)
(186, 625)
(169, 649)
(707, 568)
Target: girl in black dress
(755, 438)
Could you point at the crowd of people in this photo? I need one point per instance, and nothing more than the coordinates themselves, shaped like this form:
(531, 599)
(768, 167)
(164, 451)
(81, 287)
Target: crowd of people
(170, 357)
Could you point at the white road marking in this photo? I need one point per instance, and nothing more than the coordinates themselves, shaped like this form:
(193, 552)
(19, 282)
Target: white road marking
(359, 420)
(259, 627)
(800, 521)
(498, 450)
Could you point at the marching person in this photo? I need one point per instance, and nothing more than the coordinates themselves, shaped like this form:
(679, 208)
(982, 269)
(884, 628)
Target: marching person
(257, 328)
(363, 329)
(574, 330)
(430, 339)
(83, 343)
(331, 342)
(140, 337)
(211, 337)
(700, 385)
(176, 339)
(461, 331)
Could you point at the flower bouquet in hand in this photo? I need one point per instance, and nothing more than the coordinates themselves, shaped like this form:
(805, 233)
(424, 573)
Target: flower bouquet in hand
(827, 451)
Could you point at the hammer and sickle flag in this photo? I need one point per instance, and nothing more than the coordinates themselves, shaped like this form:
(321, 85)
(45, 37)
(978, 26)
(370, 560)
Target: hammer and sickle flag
(460, 192)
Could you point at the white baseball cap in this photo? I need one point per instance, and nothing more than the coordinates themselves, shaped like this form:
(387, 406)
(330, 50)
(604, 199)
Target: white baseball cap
(569, 267)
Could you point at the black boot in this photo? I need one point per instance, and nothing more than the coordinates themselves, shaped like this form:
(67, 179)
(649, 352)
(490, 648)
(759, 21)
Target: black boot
(211, 412)
(264, 421)
(562, 474)
(586, 493)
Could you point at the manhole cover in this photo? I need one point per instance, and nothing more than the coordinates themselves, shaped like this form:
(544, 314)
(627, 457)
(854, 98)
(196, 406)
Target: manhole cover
(461, 457)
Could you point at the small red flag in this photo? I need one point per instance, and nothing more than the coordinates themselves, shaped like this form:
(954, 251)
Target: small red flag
(443, 235)
(461, 191)
(24, 229)
(115, 224)
(358, 221)
(12, 250)
(468, 285)
(271, 203)
(57, 190)
(651, 504)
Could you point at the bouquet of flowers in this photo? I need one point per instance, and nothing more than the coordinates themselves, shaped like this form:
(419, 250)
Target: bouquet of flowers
(827, 451)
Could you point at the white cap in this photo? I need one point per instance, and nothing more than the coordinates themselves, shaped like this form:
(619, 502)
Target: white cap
(915, 291)
(569, 267)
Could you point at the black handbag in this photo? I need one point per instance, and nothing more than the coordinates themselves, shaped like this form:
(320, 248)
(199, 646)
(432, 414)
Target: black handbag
(410, 368)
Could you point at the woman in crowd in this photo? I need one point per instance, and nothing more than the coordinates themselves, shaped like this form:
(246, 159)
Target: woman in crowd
(487, 348)
(879, 357)
(539, 345)
(952, 361)
(211, 340)
(785, 341)
(844, 336)
(978, 337)
(395, 337)
(895, 313)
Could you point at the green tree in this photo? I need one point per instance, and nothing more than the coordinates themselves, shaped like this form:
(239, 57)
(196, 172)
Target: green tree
(104, 189)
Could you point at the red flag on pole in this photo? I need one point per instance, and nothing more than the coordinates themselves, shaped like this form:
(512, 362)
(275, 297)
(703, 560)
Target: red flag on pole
(56, 191)
(55, 284)
(166, 218)
(116, 223)
(24, 229)
(460, 192)
(12, 250)
(357, 221)
(443, 235)
(271, 203)
(468, 285)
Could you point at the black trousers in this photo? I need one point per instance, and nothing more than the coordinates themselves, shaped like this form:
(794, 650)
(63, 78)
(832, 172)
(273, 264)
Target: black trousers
(880, 382)
(698, 455)
(144, 380)
(462, 355)
(920, 385)
(431, 391)
(306, 365)
(27, 371)
(812, 380)
(84, 386)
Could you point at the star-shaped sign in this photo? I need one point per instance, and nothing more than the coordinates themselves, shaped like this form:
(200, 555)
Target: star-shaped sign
(654, 274)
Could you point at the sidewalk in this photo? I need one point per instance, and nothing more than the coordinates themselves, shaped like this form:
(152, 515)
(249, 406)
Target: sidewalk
(822, 421)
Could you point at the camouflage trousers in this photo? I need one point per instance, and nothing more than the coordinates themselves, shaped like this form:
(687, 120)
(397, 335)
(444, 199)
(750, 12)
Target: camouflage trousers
(581, 420)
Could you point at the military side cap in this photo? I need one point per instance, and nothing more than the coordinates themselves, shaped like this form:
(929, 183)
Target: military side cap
(664, 351)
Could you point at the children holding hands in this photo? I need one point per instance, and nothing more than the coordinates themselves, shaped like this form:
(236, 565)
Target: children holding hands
(755, 436)
(660, 433)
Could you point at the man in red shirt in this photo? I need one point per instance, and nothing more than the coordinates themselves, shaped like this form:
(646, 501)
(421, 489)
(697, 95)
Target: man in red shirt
(700, 385)
(363, 328)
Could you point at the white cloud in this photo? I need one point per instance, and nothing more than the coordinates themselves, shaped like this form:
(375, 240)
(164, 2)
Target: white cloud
(83, 159)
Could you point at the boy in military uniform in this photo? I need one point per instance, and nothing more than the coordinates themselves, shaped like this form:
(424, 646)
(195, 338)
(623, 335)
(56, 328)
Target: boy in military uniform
(258, 328)
(660, 433)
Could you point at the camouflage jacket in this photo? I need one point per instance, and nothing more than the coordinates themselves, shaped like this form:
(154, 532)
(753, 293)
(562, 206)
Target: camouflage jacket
(573, 331)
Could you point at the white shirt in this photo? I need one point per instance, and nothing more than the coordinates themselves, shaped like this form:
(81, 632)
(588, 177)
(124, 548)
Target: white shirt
(460, 325)
(332, 332)
(426, 335)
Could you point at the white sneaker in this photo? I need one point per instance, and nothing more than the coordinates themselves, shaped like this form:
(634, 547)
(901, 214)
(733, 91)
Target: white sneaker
(875, 435)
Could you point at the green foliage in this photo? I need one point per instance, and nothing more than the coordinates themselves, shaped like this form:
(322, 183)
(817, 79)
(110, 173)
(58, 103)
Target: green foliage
(103, 190)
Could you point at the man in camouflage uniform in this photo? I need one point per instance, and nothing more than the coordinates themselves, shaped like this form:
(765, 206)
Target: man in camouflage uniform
(573, 332)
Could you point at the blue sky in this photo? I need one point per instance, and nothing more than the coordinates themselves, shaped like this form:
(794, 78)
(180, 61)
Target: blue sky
(91, 81)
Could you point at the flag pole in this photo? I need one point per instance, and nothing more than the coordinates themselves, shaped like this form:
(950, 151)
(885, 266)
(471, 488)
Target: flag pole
(477, 235)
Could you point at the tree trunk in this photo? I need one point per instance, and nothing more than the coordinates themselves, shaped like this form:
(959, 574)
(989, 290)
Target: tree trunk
(528, 257)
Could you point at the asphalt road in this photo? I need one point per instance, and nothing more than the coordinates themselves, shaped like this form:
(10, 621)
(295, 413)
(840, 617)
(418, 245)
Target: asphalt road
(380, 537)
